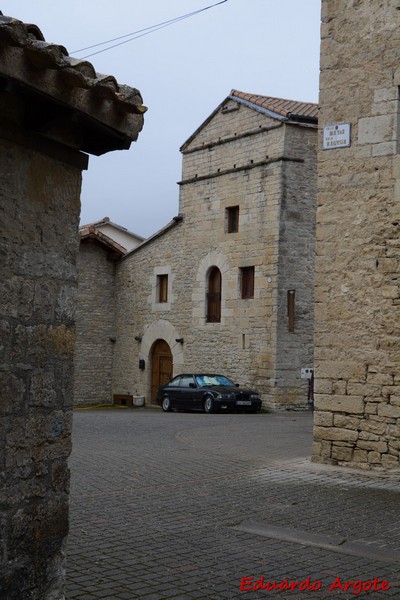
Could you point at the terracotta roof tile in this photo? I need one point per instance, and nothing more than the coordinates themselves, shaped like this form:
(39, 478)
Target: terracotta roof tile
(47, 69)
(280, 106)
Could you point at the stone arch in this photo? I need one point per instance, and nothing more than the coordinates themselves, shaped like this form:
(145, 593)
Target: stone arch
(161, 330)
(161, 365)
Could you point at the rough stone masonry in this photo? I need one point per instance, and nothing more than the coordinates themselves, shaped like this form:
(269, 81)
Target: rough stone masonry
(357, 330)
(52, 111)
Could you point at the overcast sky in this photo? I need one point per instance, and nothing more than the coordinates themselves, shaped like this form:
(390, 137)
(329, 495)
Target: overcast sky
(267, 47)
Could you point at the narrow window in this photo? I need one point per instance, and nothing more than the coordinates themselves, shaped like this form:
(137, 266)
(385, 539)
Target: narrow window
(232, 219)
(162, 284)
(214, 296)
(247, 283)
(290, 309)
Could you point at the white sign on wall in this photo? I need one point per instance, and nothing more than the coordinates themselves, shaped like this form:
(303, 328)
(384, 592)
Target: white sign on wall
(336, 136)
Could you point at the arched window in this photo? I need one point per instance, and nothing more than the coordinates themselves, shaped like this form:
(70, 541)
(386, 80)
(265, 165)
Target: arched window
(214, 296)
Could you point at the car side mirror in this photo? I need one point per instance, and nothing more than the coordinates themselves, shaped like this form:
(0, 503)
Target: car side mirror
(236, 385)
(192, 385)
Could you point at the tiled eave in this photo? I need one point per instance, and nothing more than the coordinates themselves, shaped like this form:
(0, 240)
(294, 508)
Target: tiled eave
(106, 115)
(92, 234)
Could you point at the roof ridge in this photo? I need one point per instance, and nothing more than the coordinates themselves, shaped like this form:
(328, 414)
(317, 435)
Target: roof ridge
(290, 109)
(237, 92)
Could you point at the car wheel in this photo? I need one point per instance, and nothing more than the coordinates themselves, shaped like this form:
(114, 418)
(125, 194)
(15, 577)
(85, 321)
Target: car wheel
(166, 404)
(209, 405)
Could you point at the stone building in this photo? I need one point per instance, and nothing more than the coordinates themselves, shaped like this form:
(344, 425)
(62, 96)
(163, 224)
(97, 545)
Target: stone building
(357, 331)
(54, 110)
(228, 285)
(101, 245)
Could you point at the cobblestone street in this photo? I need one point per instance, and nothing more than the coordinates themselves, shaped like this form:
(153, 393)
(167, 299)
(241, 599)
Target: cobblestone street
(180, 505)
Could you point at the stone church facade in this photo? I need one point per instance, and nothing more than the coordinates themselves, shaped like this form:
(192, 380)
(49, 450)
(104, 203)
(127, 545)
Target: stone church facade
(228, 285)
(357, 331)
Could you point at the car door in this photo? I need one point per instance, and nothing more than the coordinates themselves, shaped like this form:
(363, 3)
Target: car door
(186, 394)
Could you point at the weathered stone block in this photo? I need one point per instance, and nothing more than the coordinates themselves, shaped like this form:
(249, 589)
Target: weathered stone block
(322, 451)
(346, 421)
(372, 426)
(363, 389)
(390, 291)
(324, 386)
(380, 379)
(360, 456)
(390, 462)
(340, 369)
(325, 419)
(395, 400)
(347, 404)
(371, 408)
(374, 457)
(372, 445)
(335, 433)
(366, 435)
(374, 130)
(342, 454)
(388, 410)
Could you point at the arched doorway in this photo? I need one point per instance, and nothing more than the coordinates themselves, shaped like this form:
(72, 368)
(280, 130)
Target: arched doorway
(161, 366)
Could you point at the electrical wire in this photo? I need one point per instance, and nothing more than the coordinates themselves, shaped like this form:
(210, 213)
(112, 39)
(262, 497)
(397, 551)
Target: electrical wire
(142, 32)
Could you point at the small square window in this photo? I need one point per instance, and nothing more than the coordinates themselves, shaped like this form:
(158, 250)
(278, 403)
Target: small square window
(232, 219)
(162, 287)
(247, 282)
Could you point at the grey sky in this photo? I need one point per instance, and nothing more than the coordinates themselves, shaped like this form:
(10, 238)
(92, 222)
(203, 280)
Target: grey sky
(268, 47)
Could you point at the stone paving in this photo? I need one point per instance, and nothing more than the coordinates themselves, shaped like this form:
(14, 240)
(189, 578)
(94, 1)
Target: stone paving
(191, 506)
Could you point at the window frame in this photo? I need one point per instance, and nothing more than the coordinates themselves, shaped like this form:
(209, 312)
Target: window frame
(232, 219)
(247, 277)
(162, 288)
(214, 294)
(291, 309)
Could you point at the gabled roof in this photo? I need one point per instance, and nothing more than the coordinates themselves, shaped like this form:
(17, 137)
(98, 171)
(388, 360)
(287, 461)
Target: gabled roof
(56, 86)
(91, 233)
(290, 111)
(106, 221)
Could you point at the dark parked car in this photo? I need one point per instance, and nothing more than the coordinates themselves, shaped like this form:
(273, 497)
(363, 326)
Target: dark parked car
(210, 393)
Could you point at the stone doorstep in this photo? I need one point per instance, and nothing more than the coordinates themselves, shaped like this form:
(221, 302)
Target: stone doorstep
(336, 543)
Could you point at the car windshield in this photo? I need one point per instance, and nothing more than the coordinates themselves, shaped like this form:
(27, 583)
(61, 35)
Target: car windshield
(210, 380)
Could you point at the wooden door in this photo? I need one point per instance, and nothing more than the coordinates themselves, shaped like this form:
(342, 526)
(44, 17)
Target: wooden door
(161, 367)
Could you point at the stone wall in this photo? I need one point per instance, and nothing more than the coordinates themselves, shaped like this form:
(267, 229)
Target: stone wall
(139, 316)
(270, 174)
(296, 266)
(95, 324)
(54, 111)
(357, 331)
(39, 204)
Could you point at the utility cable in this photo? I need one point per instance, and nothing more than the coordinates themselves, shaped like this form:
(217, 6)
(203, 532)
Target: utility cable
(143, 32)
